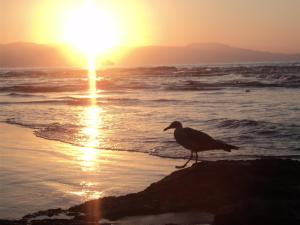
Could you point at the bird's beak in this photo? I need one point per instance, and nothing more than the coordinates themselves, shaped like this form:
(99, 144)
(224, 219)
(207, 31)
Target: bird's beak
(167, 128)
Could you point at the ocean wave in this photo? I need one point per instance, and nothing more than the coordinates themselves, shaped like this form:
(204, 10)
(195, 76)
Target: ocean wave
(21, 73)
(192, 85)
(170, 79)
(52, 102)
(231, 123)
(79, 86)
(275, 70)
(67, 133)
(247, 134)
(246, 128)
(24, 124)
(73, 101)
(186, 86)
(40, 73)
(23, 95)
(72, 134)
(163, 100)
(43, 89)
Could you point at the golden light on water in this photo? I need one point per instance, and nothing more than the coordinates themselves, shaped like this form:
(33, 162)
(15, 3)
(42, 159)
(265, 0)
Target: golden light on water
(89, 154)
(91, 120)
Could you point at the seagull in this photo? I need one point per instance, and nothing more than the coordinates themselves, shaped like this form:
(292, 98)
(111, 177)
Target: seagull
(196, 141)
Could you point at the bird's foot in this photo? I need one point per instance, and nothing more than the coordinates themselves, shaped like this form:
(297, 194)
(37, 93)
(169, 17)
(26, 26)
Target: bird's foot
(180, 167)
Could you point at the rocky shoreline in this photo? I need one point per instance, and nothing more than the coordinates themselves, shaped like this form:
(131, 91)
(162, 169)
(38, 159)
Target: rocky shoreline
(250, 192)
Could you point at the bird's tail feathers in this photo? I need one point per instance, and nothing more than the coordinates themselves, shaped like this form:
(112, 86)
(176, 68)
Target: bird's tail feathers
(226, 147)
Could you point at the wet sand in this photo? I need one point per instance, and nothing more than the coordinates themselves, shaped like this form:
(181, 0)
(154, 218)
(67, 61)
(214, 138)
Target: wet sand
(37, 174)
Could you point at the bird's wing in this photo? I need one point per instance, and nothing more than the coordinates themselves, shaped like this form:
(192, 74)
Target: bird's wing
(194, 139)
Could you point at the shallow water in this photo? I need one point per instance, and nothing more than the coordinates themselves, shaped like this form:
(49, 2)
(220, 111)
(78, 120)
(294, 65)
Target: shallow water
(37, 174)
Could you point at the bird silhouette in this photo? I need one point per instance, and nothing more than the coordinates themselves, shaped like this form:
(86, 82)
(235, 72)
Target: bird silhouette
(196, 141)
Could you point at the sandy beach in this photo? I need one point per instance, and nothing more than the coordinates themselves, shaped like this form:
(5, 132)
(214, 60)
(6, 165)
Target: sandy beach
(38, 174)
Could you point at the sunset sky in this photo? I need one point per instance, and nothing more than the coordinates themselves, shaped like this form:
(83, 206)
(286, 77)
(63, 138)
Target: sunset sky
(272, 25)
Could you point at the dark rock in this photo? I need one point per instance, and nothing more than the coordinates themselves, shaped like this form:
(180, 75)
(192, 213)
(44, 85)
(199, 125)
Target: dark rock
(12, 222)
(207, 186)
(258, 212)
(265, 191)
(49, 213)
(56, 222)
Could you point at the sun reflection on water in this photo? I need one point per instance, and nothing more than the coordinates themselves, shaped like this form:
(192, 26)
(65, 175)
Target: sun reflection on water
(91, 120)
(89, 154)
(87, 191)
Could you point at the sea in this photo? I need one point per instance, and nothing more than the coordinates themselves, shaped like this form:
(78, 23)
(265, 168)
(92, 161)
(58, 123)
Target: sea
(255, 106)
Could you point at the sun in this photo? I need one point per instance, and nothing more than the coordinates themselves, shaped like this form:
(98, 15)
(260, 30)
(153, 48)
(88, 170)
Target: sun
(91, 29)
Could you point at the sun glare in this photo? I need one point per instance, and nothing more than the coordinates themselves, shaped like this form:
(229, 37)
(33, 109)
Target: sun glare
(91, 30)
(101, 30)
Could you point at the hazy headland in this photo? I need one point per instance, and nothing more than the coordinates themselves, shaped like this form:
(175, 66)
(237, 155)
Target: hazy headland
(40, 55)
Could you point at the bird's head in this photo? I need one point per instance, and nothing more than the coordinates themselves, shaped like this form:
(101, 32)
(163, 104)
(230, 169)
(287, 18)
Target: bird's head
(175, 125)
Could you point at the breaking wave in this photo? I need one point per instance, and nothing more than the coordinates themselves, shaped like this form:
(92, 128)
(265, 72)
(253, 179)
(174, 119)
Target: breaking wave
(154, 78)
(263, 129)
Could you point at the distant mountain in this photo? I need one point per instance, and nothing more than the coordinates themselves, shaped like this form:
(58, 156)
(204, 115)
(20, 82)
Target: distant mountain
(36, 55)
(201, 53)
(30, 55)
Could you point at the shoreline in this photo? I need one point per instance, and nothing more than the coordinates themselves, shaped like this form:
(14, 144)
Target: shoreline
(113, 178)
(26, 161)
(183, 159)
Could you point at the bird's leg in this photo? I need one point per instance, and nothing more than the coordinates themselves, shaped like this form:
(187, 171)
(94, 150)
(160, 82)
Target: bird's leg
(196, 157)
(184, 165)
